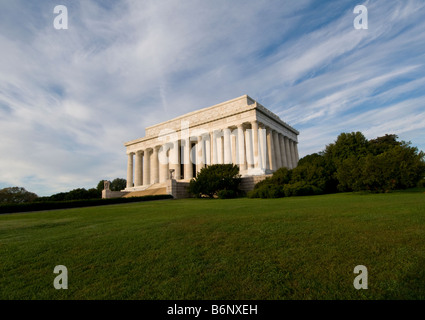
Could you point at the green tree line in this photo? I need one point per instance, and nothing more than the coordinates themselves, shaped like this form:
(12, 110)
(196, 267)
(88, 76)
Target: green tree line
(16, 195)
(351, 163)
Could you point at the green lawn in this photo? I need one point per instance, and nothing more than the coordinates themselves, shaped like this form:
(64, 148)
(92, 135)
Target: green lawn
(290, 248)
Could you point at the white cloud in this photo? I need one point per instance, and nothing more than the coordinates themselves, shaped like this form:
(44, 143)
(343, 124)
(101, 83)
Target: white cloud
(69, 99)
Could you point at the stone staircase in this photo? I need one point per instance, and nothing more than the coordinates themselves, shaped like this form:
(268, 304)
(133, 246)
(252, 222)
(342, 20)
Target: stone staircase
(155, 189)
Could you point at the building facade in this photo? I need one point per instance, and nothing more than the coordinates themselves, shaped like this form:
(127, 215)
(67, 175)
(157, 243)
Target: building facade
(240, 131)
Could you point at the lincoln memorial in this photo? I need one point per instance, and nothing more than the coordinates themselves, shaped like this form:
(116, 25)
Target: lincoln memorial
(240, 131)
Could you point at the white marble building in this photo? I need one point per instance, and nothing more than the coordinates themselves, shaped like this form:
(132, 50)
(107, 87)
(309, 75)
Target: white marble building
(240, 131)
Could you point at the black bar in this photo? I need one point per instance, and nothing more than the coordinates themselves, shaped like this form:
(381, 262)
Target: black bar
(211, 309)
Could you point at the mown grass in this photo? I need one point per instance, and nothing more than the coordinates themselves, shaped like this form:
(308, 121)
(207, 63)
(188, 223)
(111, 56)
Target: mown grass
(290, 248)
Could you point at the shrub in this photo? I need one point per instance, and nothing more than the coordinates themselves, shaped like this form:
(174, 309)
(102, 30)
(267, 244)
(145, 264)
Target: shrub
(16, 195)
(352, 163)
(213, 179)
(301, 188)
(400, 167)
(264, 182)
(53, 205)
(253, 193)
(267, 191)
(76, 194)
(281, 176)
(118, 184)
(226, 194)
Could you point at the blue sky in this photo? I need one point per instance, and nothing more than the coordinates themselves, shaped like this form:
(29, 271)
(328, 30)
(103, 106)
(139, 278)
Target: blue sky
(69, 99)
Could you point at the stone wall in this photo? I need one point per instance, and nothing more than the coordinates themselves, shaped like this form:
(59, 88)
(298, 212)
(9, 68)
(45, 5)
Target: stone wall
(248, 183)
(178, 189)
(108, 194)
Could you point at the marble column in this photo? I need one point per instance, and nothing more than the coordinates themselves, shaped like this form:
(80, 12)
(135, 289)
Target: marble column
(294, 161)
(241, 148)
(297, 156)
(174, 157)
(234, 148)
(254, 125)
(249, 154)
(214, 156)
(203, 151)
(164, 163)
(263, 146)
(220, 151)
(155, 164)
(277, 150)
(138, 169)
(199, 154)
(282, 150)
(288, 153)
(130, 170)
(208, 150)
(188, 172)
(146, 167)
(270, 142)
(227, 147)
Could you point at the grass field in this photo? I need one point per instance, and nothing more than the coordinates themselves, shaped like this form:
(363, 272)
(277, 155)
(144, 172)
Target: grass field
(290, 248)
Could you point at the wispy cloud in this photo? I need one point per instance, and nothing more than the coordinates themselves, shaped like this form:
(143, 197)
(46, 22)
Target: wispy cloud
(69, 99)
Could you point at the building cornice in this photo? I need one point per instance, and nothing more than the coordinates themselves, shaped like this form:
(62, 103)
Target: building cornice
(249, 105)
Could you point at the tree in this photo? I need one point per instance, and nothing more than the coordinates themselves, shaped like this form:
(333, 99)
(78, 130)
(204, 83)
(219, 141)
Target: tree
(383, 144)
(351, 163)
(101, 186)
(81, 194)
(308, 178)
(389, 165)
(118, 184)
(76, 194)
(317, 171)
(61, 196)
(404, 165)
(347, 145)
(223, 179)
(16, 195)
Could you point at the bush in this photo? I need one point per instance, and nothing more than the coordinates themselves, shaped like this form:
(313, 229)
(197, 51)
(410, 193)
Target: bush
(76, 194)
(281, 176)
(400, 167)
(301, 188)
(352, 163)
(118, 184)
(16, 195)
(267, 191)
(264, 182)
(226, 194)
(213, 179)
(53, 205)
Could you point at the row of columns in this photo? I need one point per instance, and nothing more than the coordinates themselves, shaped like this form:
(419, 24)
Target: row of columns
(258, 147)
